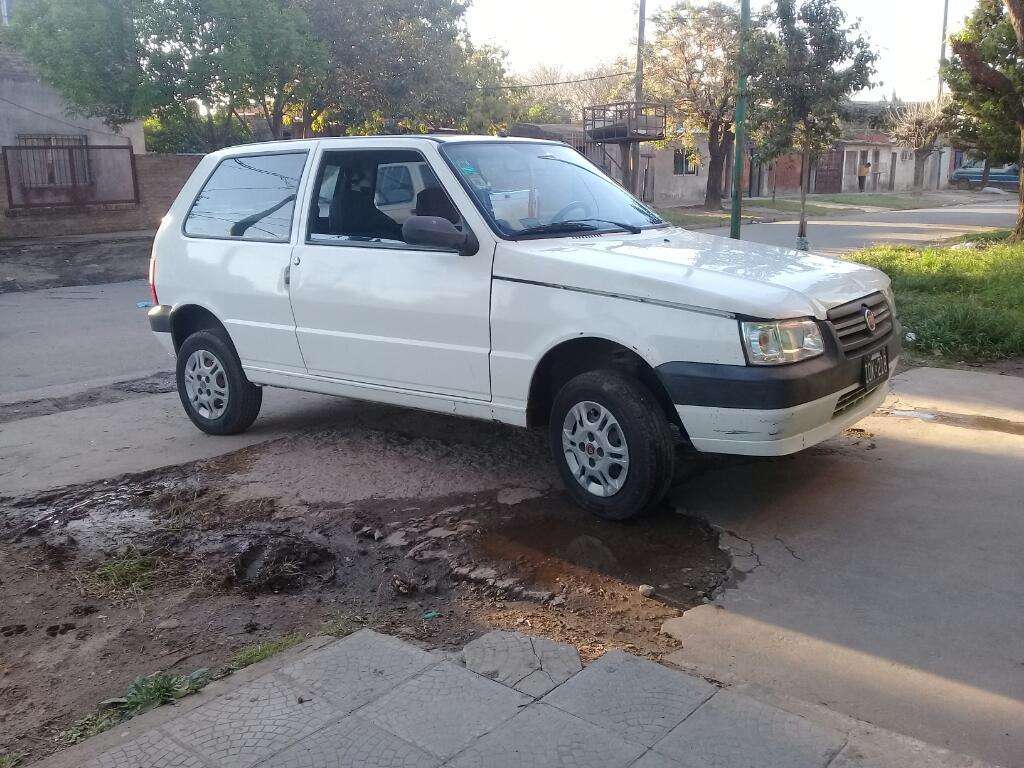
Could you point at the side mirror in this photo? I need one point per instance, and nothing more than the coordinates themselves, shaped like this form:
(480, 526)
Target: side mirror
(440, 233)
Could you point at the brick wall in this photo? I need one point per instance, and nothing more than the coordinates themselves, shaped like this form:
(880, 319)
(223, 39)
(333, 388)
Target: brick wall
(160, 179)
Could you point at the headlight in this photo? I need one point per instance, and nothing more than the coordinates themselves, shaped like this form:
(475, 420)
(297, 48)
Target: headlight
(784, 341)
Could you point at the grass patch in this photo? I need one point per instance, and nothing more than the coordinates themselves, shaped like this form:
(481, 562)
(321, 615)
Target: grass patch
(341, 626)
(144, 694)
(964, 304)
(990, 237)
(251, 654)
(793, 206)
(883, 200)
(12, 761)
(694, 217)
(128, 574)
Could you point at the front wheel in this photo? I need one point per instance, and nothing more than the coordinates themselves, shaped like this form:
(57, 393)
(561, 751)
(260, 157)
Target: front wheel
(612, 444)
(216, 395)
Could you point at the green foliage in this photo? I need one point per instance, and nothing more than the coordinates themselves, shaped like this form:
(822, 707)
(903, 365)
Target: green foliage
(319, 64)
(803, 63)
(142, 695)
(978, 116)
(252, 654)
(184, 129)
(91, 51)
(129, 573)
(965, 304)
(12, 760)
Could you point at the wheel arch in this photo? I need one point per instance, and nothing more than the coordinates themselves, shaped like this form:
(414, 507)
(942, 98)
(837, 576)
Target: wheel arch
(580, 354)
(189, 318)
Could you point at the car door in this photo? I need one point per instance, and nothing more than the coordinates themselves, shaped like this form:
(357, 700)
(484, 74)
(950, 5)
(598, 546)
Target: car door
(370, 307)
(238, 239)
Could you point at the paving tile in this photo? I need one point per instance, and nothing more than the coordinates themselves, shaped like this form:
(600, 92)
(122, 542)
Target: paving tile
(637, 699)
(240, 728)
(444, 709)
(654, 760)
(733, 730)
(359, 668)
(352, 743)
(150, 750)
(545, 737)
(532, 665)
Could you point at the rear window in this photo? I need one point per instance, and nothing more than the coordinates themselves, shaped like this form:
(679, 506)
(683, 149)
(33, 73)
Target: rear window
(251, 197)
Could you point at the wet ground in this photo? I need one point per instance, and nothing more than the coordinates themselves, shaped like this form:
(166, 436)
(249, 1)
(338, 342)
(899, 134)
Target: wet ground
(27, 266)
(221, 554)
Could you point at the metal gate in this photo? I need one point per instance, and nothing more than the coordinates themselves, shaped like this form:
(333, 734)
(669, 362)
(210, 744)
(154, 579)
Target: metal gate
(69, 174)
(829, 173)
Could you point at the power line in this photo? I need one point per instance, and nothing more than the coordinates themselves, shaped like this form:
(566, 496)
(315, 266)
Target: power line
(559, 82)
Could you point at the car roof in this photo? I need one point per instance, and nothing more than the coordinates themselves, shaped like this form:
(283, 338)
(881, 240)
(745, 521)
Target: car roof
(283, 145)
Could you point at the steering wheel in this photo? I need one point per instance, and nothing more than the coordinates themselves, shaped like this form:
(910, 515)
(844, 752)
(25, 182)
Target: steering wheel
(563, 212)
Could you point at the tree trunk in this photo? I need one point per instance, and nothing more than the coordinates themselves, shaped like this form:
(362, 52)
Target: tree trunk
(985, 172)
(805, 179)
(728, 141)
(1018, 230)
(920, 158)
(713, 189)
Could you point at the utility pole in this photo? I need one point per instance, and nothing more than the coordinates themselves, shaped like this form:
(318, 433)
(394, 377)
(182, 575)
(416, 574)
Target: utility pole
(938, 99)
(740, 124)
(638, 96)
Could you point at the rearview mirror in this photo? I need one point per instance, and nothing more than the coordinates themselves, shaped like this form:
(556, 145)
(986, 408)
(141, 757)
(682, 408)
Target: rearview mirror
(440, 233)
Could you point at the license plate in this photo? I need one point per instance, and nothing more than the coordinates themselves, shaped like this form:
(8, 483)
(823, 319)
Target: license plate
(876, 368)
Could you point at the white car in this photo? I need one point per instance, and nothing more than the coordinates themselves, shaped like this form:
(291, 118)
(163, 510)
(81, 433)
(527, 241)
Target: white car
(508, 280)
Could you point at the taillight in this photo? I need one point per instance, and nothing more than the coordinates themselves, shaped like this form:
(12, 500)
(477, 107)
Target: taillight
(152, 278)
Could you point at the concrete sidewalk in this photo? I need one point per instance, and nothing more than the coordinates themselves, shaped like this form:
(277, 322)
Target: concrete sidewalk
(506, 700)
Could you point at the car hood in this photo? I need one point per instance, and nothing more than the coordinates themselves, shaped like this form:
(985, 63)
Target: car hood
(693, 269)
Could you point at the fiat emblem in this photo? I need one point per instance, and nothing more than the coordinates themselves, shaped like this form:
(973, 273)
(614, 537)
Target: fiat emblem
(870, 319)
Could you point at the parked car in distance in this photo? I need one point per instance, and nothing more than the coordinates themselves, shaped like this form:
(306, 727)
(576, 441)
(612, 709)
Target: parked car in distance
(969, 175)
(508, 280)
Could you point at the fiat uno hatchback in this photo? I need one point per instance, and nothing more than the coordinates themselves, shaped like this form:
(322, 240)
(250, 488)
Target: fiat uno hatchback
(508, 280)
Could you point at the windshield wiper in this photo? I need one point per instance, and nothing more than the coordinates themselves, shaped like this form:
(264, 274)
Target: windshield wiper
(557, 226)
(576, 225)
(633, 229)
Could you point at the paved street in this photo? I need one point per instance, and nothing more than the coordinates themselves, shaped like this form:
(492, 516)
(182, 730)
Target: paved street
(371, 700)
(832, 236)
(881, 579)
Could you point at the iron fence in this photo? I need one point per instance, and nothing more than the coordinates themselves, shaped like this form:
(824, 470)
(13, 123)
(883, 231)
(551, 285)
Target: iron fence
(69, 175)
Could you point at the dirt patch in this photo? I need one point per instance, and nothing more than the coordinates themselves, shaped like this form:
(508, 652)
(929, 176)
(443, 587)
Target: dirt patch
(53, 264)
(113, 393)
(204, 565)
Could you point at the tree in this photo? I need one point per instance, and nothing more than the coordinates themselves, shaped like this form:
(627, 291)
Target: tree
(692, 68)
(986, 76)
(564, 101)
(918, 126)
(90, 51)
(808, 61)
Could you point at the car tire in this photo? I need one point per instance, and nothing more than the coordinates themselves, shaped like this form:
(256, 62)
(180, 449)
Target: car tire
(598, 420)
(213, 389)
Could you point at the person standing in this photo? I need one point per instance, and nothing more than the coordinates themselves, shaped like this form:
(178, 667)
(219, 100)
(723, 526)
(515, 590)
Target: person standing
(862, 175)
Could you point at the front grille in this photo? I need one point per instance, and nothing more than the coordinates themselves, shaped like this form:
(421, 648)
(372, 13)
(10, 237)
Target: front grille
(852, 398)
(851, 326)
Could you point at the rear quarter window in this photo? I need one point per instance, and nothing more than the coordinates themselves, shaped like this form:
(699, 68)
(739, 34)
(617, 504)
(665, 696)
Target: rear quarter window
(249, 197)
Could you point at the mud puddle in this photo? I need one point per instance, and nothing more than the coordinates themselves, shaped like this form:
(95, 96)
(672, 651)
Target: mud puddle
(178, 569)
(158, 383)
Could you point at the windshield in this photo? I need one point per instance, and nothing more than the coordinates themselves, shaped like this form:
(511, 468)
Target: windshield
(544, 189)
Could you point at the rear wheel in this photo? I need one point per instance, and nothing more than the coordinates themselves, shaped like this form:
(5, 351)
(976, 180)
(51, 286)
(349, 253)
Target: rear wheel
(216, 395)
(612, 444)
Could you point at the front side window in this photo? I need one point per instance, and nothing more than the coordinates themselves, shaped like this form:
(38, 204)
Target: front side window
(527, 189)
(364, 196)
(251, 197)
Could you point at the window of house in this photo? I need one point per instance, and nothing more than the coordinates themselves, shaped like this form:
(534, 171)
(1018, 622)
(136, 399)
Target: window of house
(683, 163)
(251, 197)
(363, 197)
(54, 160)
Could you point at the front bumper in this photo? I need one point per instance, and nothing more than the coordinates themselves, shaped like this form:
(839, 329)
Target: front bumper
(773, 411)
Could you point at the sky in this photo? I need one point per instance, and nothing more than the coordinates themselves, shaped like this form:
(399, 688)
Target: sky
(577, 34)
